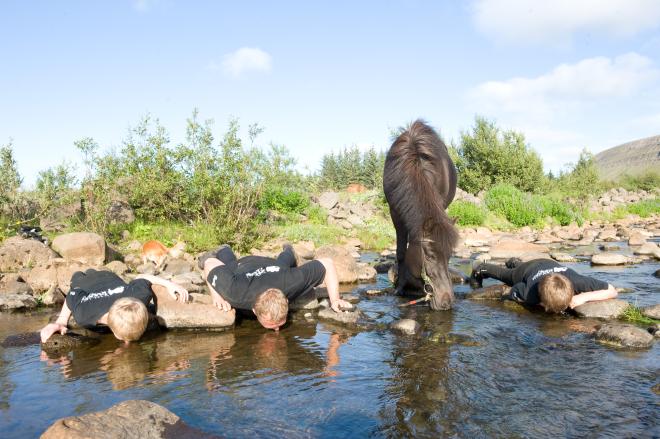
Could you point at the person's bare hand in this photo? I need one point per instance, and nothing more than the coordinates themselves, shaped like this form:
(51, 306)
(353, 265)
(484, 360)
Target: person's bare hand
(220, 302)
(51, 329)
(339, 304)
(178, 292)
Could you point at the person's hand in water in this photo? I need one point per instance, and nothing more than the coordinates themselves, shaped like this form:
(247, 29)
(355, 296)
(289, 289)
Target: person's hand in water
(50, 329)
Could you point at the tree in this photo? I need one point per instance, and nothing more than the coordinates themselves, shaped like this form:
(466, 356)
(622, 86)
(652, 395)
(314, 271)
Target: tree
(10, 179)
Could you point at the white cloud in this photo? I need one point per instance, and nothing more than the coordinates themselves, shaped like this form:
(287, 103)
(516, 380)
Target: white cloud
(533, 21)
(567, 86)
(243, 60)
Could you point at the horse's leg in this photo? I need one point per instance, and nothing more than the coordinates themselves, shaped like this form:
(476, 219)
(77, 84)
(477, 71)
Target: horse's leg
(401, 247)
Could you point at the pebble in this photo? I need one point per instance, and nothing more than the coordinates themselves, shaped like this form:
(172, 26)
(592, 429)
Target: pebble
(406, 326)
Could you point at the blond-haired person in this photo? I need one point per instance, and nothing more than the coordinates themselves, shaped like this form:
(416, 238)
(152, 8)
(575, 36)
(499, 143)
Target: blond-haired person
(265, 285)
(546, 283)
(100, 297)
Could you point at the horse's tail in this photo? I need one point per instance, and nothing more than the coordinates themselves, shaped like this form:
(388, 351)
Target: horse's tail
(414, 156)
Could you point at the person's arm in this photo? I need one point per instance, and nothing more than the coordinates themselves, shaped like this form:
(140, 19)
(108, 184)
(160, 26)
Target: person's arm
(218, 300)
(332, 285)
(58, 326)
(593, 296)
(175, 290)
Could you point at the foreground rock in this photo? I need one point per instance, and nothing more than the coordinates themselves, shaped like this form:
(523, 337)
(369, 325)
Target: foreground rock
(652, 312)
(347, 268)
(83, 247)
(610, 259)
(17, 253)
(406, 326)
(346, 317)
(58, 343)
(493, 292)
(175, 315)
(602, 309)
(128, 419)
(621, 335)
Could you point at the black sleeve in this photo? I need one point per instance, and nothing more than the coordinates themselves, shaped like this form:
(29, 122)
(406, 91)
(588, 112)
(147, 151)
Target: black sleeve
(140, 289)
(302, 279)
(584, 284)
(518, 292)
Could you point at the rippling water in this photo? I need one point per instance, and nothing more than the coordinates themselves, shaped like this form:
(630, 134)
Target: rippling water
(481, 370)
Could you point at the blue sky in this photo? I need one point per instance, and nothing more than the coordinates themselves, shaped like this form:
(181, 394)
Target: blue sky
(323, 75)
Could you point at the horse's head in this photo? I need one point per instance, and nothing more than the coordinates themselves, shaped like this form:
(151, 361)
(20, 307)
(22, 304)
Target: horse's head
(435, 253)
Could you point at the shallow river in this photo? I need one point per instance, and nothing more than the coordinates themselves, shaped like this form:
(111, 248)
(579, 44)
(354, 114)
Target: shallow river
(480, 370)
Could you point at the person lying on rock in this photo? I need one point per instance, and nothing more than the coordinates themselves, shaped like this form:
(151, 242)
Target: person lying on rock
(544, 282)
(265, 285)
(102, 297)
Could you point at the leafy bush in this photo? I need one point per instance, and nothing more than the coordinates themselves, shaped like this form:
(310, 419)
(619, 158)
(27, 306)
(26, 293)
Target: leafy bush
(582, 179)
(284, 201)
(647, 181)
(467, 213)
(645, 208)
(517, 207)
(562, 211)
(486, 157)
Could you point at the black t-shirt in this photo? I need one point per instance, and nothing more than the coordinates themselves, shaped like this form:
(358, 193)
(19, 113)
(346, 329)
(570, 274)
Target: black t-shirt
(526, 281)
(93, 293)
(256, 274)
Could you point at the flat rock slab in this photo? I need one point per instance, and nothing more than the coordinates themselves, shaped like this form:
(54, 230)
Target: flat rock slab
(175, 315)
(346, 317)
(493, 292)
(652, 312)
(134, 418)
(21, 340)
(406, 326)
(512, 248)
(563, 257)
(58, 343)
(610, 259)
(17, 302)
(622, 335)
(602, 309)
(453, 338)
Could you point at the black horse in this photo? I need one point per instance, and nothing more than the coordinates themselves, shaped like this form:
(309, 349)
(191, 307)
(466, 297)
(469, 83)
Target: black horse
(419, 182)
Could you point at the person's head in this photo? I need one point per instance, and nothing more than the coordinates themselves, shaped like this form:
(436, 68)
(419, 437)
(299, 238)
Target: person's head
(555, 292)
(128, 319)
(271, 308)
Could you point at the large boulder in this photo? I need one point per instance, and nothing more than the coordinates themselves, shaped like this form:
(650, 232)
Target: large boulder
(172, 314)
(649, 248)
(610, 259)
(626, 336)
(514, 248)
(128, 419)
(17, 253)
(328, 200)
(637, 238)
(83, 247)
(17, 301)
(602, 309)
(347, 268)
(42, 278)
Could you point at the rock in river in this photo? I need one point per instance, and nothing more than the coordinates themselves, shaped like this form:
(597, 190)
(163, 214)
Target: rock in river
(19, 301)
(58, 343)
(348, 317)
(627, 336)
(610, 259)
(128, 419)
(602, 309)
(493, 292)
(652, 312)
(406, 326)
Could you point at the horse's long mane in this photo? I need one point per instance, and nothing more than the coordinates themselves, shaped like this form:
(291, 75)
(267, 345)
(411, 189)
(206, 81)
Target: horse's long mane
(414, 159)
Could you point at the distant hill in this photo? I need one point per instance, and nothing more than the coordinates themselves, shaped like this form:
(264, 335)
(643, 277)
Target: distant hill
(632, 158)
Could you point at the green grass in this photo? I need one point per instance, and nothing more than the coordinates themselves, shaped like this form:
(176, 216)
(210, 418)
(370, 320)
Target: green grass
(644, 208)
(377, 234)
(318, 233)
(467, 213)
(198, 237)
(633, 314)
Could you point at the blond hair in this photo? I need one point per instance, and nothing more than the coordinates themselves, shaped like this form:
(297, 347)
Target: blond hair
(128, 318)
(555, 292)
(271, 305)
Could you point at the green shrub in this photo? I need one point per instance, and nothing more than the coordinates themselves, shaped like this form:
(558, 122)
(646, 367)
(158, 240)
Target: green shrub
(563, 212)
(647, 181)
(519, 208)
(582, 179)
(316, 214)
(645, 208)
(284, 201)
(467, 213)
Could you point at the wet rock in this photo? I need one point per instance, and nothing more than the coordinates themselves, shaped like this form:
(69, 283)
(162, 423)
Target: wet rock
(178, 266)
(17, 301)
(383, 266)
(58, 343)
(374, 292)
(172, 314)
(624, 290)
(608, 234)
(656, 389)
(602, 309)
(117, 267)
(610, 259)
(406, 326)
(17, 253)
(609, 247)
(622, 335)
(453, 338)
(346, 317)
(328, 200)
(347, 268)
(511, 248)
(637, 238)
(366, 272)
(21, 340)
(306, 301)
(83, 247)
(351, 298)
(657, 273)
(134, 418)
(649, 248)
(393, 273)
(457, 276)
(562, 257)
(493, 292)
(652, 312)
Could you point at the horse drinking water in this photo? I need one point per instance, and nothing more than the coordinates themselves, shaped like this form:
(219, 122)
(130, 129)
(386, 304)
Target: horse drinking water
(419, 182)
